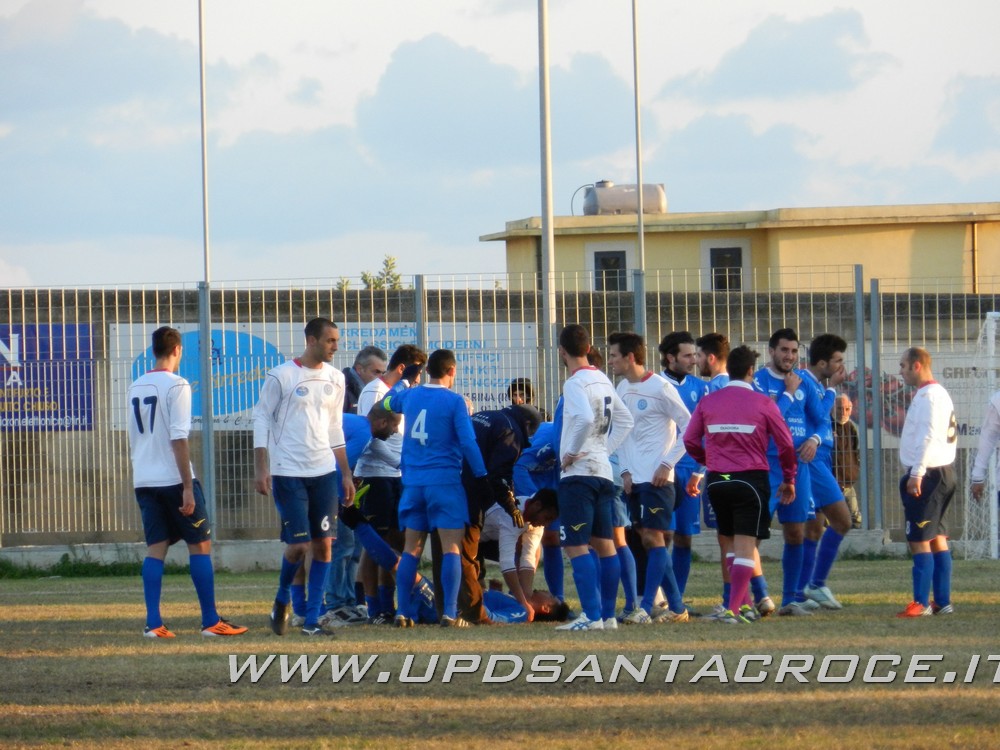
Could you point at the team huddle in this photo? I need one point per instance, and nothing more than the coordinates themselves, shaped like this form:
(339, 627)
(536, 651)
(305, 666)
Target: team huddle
(366, 465)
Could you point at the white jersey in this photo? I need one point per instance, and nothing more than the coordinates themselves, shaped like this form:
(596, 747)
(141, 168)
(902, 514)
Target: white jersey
(989, 437)
(659, 416)
(595, 421)
(383, 460)
(930, 433)
(159, 411)
(299, 419)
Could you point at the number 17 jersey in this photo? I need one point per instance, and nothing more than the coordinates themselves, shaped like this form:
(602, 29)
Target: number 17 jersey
(159, 411)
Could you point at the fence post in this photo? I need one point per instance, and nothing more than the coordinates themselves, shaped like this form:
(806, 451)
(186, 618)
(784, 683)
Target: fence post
(420, 310)
(639, 299)
(205, 391)
(859, 326)
(877, 468)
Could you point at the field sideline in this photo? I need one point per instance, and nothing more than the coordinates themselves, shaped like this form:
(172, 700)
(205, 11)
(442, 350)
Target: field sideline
(75, 672)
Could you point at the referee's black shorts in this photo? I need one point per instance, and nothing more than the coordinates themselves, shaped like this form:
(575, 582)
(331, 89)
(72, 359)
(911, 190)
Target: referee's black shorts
(740, 500)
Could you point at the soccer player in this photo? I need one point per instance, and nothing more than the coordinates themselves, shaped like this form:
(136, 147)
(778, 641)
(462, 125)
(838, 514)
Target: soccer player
(646, 459)
(927, 448)
(825, 372)
(712, 353)
(379, 469)
(730, 432)
(299, 444)
(782, 382)
(595, 421)
(989, 436)
(438, 436)
(169, 497)
(679, 359)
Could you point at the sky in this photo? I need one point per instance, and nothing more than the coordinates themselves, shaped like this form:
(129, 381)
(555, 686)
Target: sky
(341, 132)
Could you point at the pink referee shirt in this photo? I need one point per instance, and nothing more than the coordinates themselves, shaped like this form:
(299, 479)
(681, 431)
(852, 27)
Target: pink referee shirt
(730, 429)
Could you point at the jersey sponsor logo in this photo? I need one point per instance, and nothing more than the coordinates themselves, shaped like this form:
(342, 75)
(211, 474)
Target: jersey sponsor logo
(641, 404)
(578, 526)
(799, 394)
(301, 391)
(743, 429)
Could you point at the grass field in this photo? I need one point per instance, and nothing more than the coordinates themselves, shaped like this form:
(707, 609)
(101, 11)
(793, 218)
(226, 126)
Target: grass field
(74, 672)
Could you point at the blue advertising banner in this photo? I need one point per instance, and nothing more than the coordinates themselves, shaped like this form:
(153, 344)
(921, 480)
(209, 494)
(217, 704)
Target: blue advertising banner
(46, 378)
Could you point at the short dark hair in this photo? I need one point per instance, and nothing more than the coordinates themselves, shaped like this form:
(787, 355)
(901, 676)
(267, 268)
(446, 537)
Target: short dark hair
(740, 362)
(824, 346)
(595, 358)
(316, 326)
(165, 340)
(366, 355)
(407, 354)
(788, 334)
(558, 613)
(440, 361)
(714, 343)
(671, 343)
(575, 339)
(548, 498)
(629, 343)
(523, 385)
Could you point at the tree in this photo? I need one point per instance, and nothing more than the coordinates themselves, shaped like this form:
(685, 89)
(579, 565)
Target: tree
(387, 278)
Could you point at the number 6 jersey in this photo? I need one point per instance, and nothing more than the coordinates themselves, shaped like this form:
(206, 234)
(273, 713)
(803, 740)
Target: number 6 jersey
(159, 410)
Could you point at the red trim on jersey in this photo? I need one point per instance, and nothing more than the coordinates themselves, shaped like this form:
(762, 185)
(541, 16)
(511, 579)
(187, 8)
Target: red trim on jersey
(585, 367)
(646, 377)
(159, 369)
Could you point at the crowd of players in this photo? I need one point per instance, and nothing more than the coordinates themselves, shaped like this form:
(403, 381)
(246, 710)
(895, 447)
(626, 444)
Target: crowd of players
(365, 465)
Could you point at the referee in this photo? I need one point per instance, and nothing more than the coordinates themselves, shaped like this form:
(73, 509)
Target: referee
(729, 433)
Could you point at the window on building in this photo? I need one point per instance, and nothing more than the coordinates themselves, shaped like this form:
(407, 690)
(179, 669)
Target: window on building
(610, 271)
(726, 264)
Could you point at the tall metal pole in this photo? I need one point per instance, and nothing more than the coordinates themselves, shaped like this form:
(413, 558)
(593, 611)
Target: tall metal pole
(859, 327)
(205, 303)
(548, 354)
(640, 307)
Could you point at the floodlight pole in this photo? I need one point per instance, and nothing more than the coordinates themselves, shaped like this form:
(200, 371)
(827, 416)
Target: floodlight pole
(205, 380)
(548, 338)
(640, 304)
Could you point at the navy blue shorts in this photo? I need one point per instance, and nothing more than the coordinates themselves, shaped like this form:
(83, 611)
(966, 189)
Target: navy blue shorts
(654, 505)
(161, 515)
(307, 506)
(380, 505)
(585, 509)
(925, 514)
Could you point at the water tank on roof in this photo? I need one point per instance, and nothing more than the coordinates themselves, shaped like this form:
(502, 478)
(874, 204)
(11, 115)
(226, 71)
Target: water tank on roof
(606, 198)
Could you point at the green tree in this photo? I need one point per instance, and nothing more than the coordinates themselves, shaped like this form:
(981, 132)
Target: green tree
(387, 278)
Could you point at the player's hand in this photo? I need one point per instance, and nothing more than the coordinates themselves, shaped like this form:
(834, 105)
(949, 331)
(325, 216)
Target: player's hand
(792, 382)
(838, 377)
(978, 490)
(694, 485)
(187, 501)
(627, 483)
(349, 490)
(517, 518)
(807, 451)
(786, 493)
(529, 610)
(913, 486)
(570, 459)
(262, 482)
(661, 477)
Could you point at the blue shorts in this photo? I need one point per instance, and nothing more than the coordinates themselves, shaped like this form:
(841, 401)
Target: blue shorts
(825, 489)
(801, 509)
(687, 509)
(585, 509)
(425, 508)
(307, 507)
(925, 514)
(655, 505)
(620, 516)
(161, 515)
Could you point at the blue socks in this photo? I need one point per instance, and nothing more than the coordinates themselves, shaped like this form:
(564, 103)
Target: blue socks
(923, 573)
(611, 572)
(656, 563)
(808, 562)
(942, 578)
(681, 558)
(203, 577)
(585, 578)
(451, 576)
(552, 567)
(285, 578)
(626, 560)
(791, 568)
(758, 585)
(386, 599)
(670, 588)
(406, 575)
(319, 572)
(829, 543)
(376, 547)
(152, 585)
(299, 599)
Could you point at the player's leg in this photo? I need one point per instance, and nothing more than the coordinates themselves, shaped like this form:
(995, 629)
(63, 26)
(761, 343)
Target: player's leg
(156, 529)
(577, 504)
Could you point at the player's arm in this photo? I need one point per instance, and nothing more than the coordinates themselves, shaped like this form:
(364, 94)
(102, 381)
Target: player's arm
(787, 458)
(678, 412)
(263, 416)
(178, 407)
(346, 477)
(622, 423)
(989, 436)
(508, 562)
(182, 457)
(577, 421)
(462, 424)
(694, 435)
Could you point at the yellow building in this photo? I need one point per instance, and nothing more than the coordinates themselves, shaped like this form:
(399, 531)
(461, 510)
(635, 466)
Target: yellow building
(954, 243)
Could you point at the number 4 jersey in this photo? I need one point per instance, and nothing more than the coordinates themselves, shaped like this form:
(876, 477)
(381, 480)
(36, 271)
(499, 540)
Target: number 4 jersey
(159, 411)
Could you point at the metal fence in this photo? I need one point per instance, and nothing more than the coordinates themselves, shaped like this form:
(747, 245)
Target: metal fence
(68, 356)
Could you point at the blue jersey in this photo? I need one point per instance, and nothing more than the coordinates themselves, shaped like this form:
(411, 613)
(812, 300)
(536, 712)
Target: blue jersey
(501, 608)
(800, 412)
(538, 465)
(691, 390)
(718, 382)
(438, 435)
(357, 433)
(821, 423)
